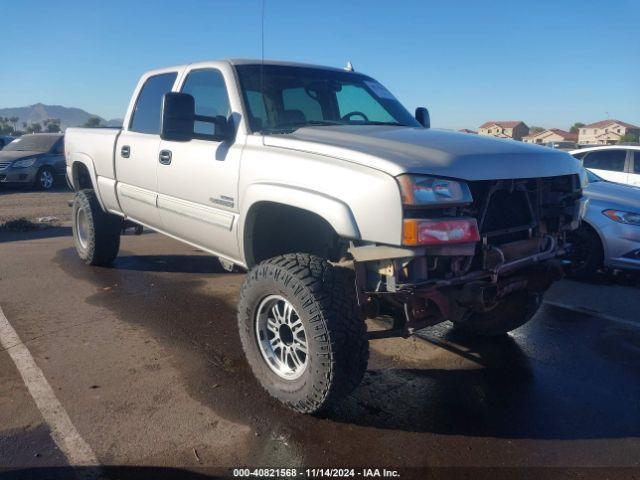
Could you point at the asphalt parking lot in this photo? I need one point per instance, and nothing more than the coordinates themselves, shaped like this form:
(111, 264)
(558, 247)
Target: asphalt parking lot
(144, 360)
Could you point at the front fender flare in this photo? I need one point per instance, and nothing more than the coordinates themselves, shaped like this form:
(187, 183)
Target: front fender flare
(336, 212)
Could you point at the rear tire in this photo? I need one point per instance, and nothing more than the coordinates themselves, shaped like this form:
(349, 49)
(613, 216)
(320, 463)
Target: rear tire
(323, 300)
(514, 311)
(96, 234)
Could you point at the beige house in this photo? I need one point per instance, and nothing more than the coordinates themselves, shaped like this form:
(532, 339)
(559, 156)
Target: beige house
(551, 135)
(515, 130)
(605, 132)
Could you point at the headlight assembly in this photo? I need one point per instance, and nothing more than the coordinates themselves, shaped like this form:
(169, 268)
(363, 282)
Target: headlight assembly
(421, 190)
(629, 218)
(24, 163)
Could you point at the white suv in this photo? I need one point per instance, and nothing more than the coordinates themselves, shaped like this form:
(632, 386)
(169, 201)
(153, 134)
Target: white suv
(616, 163)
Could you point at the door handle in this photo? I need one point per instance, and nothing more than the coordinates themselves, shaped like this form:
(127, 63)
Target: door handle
(125, 151)
(165, 157)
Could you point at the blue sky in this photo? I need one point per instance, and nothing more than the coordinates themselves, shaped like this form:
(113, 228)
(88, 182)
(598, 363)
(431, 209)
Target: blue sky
(549, 63)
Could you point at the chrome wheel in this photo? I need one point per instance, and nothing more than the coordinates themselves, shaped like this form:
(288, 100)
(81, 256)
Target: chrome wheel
(46, 179)
(281, 337)
(82, 227)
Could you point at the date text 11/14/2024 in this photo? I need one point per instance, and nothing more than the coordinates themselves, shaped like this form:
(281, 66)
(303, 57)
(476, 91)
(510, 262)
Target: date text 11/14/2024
(315, 473)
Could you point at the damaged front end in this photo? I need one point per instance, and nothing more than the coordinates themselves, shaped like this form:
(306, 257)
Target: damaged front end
(484, 242)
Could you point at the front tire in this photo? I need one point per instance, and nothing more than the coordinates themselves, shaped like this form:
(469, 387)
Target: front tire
(319, 300)
(512, 312)
(44, 179)
(587, 256)
(96, 234)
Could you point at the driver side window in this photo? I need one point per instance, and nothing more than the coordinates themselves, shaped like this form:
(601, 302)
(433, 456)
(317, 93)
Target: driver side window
(210, 95)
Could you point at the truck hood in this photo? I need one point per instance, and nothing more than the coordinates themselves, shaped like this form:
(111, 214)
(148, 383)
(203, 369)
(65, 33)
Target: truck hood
(10, 156)
(398, 150)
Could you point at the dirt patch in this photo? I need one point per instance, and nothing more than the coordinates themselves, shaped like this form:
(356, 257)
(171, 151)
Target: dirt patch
(41, 209)
(20, 225)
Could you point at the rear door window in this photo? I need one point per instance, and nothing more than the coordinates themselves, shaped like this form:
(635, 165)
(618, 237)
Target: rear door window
(611, 160)
(148, 110)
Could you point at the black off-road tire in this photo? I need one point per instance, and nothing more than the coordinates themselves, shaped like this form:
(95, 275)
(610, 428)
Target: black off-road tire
(324, 298)
(512, 312)
(103, 233)
(588, 254)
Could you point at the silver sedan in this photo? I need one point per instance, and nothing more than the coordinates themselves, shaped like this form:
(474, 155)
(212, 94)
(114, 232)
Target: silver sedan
(610, 233)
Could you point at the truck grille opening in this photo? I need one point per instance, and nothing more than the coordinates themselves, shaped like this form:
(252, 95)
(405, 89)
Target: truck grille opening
(516, 215)
(507, 206)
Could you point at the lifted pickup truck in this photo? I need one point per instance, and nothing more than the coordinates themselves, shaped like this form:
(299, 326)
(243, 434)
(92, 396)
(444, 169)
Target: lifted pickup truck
(339, 203)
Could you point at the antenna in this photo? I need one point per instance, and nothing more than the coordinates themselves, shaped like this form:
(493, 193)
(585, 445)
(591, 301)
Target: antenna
(262, 52)
(262, 33)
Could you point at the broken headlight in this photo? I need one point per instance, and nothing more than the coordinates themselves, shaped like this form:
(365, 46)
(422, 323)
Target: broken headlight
(421, 190)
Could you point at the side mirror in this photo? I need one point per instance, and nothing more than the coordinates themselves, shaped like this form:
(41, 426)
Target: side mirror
(178, 117)
(221, 127)
(422, 116)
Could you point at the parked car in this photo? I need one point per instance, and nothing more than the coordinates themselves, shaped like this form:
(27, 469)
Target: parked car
(609, 236)
(5, 140)
(337, 200)
(616, 163)
(35, 159)
(561, 145)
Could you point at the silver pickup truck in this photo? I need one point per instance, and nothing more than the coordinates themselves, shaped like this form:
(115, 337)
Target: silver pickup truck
(339, 203)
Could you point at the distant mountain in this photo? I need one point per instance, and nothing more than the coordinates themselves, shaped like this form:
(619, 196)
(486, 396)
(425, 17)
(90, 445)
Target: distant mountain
(69, 116)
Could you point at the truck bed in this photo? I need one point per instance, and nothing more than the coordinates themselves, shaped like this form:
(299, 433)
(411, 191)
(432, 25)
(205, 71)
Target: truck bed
(96, 143)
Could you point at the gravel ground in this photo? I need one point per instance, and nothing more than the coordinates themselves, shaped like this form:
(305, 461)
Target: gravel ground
(43, 208)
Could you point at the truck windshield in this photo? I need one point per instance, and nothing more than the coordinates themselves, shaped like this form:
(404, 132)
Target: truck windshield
(32, 143)
(281, 99)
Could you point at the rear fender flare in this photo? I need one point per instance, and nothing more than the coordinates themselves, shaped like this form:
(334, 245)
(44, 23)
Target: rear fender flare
(85, 160)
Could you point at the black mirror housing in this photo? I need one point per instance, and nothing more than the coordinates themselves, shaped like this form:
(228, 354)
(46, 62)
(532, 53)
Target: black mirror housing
(423, 118)
(221, 127)
(178, 117)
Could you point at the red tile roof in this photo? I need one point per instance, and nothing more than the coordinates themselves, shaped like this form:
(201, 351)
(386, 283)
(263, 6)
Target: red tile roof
(503, 123)
(604, 123)
(571, 137)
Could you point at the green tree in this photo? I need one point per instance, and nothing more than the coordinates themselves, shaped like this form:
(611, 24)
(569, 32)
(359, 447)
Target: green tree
(628, 138)
(34, 128)
(575, 128)
(5, 127)
(93, 122)
(533, 130)
(52, 125)
(14, 121)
